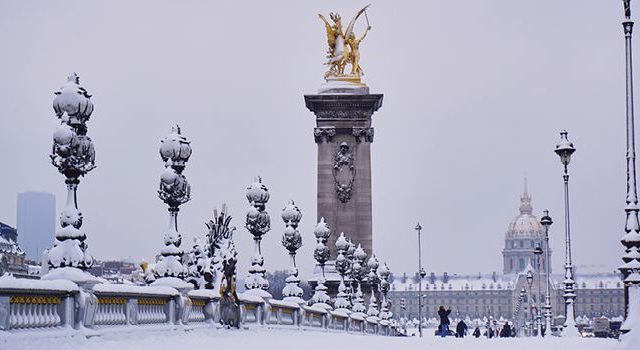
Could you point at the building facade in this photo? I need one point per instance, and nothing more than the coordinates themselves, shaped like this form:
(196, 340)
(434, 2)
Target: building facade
(36, 222)
(496, 295)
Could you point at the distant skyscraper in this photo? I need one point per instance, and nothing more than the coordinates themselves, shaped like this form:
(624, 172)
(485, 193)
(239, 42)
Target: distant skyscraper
(36, 222)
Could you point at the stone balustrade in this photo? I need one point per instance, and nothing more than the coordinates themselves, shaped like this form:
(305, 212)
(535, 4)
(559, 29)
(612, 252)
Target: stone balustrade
(61, 304)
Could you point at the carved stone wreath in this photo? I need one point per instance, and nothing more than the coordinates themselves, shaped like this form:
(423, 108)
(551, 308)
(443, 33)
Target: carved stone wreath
(344, 172)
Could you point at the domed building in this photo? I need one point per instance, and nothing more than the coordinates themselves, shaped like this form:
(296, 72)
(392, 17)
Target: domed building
(521, 238)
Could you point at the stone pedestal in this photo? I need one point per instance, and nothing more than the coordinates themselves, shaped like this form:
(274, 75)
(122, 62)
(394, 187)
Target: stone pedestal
(344, 134)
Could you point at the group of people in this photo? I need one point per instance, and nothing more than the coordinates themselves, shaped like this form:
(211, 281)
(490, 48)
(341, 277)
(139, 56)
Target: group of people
(492, 331)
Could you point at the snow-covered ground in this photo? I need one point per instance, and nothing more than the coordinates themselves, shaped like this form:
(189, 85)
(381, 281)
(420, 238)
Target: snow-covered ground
(265, 339)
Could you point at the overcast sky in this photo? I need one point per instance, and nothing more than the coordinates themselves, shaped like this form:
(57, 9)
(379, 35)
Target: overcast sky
(475, 93)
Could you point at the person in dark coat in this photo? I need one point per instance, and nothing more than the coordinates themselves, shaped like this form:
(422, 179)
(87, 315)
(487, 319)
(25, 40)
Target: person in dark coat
(461, 329)
(506, 330)
(444, 320)
(476, 332)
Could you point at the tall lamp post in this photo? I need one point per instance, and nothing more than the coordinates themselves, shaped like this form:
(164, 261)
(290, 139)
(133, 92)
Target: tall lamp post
(421, 273)
(531, 304)
(631, 239)
(564, 149)
(546, 221)
(538, 252)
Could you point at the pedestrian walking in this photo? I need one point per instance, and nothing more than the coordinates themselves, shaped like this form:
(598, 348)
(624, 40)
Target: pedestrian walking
(461, 329)
(476, 332)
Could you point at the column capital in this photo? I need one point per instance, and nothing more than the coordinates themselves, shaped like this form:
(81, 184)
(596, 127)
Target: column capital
(362, 134)
(324, 134)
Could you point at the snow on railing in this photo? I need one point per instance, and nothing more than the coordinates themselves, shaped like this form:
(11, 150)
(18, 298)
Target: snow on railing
(26, 304)
(282, 312)
(38, 304)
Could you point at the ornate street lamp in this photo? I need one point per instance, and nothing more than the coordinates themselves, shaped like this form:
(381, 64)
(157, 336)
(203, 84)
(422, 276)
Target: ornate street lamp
(546, 221)
(321, 254)
(422, 273)
(359, 273)
(385, 314)
(531, 305)
(631, 240)
(258, 223)
(523, 296)
(343, 265)
(373, 282)
(174, 191)
(74, 156)
(564, 149)
(292, 241)
(538, 253)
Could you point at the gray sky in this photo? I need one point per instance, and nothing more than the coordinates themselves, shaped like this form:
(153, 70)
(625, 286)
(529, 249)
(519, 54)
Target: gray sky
(475, 95)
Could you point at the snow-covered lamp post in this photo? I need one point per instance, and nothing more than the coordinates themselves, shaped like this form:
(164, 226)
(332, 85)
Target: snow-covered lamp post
(74, 156)
(174, 191)
(359, 271)
(546, 221)
(537, 252)
(343, 265)
(564, 149)
(258, 223)
(373, 279)
(292, 241)
(385, 314)
(421, 273)
(631, 240)
(531, 304)
(321, 254)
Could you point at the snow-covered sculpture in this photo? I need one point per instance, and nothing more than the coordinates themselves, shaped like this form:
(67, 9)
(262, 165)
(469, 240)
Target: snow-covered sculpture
(258, 223)
(74, 156)
(321, 254)
(174, 190)
(219, 244)
(199, 270)
(222, 252)
(292, 241)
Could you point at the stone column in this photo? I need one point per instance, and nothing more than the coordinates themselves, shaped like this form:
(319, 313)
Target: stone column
(344, 134)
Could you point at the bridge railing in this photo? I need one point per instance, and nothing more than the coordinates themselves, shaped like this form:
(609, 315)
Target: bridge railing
(60, 304)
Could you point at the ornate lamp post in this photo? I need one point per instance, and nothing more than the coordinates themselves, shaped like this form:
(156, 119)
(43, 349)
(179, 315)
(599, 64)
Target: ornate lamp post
(422, 273)
(292, 241)
(538, 252)
(564, 149)
(174, 190)
(321, 254)
(74, 156)
(546, 221)
(359, 273)
(631, 239)
(523, 296)
(373, 282)
(258, 223)
(343, 265)
(385, 314)
(531, 304)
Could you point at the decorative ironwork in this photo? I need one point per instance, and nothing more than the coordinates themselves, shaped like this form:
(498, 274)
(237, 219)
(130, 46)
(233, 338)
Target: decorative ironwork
(73, 155)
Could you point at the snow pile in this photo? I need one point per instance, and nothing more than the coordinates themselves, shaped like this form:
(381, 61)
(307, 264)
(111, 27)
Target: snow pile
(8, 282)
(72, 274)
(205, 293)
(133, 289)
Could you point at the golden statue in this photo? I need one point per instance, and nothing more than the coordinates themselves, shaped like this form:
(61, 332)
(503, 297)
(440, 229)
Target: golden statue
(344, 48)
